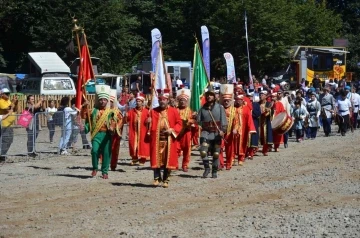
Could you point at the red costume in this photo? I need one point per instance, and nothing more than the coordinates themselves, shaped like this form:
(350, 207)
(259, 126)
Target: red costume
(265, 129)
(139, 147)
(184, 138)
(116, 137)
(163, 149)
(228, 146)
(227, 91)
(278, 107)
(195, 133)
(243, 126)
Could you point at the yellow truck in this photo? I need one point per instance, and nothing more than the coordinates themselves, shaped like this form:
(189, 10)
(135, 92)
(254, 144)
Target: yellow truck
(329, 62)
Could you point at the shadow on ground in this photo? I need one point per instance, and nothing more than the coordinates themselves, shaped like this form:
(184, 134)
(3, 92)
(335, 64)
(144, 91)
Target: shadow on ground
(37, 167)
(74, 176)
(139, 185)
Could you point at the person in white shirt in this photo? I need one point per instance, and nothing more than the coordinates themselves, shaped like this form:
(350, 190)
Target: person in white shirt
(343, 108)
(264, 80)
(66, 133)
(178, 83)
(50, 110)
(355, 102)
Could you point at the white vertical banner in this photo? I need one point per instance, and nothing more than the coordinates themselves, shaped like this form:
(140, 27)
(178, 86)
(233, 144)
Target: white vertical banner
(156, 40)
(160, 79)
(205, 37)
(230, 68)
(251, 83)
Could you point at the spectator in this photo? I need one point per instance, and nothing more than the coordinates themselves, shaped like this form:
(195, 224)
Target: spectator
(33, 129)
(178, 83)
(138, 84)
(132, 101)
(264, 81)
(7, 107)
(66, 133)
(50, 110)
(77, 127)
(124, 99)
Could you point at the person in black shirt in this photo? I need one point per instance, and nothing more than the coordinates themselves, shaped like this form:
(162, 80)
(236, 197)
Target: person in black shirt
(316, 82)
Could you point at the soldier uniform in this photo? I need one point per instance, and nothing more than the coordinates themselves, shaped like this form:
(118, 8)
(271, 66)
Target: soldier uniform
(212, 119)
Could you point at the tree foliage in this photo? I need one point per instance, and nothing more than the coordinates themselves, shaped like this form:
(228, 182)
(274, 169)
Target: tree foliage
(118, 31)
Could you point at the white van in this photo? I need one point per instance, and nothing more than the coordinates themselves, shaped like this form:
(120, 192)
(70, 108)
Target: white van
(49, 75)
(49, 84)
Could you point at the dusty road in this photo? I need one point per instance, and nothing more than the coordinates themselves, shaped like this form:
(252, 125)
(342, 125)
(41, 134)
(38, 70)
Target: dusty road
(311, 189)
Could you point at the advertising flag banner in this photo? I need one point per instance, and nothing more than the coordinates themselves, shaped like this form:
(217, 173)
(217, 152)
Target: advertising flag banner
(206, 48)
(160, 81)
(156, 42)
(230, 68)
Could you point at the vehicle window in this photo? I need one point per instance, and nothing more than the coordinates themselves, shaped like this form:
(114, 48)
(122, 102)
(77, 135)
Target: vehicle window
(36, 85)
(57, 84)
(29, 85)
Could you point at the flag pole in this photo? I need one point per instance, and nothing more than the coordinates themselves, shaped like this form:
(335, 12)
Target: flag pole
(248, 54)
(80, 84)
(153, 91)
(197, 43)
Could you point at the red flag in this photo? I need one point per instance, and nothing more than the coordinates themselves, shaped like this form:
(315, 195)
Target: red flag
(86, 73)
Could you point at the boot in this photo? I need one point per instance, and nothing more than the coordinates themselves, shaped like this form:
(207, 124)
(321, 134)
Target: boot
(214, 174)
(215, 166)
(206, 167)
(206, 172)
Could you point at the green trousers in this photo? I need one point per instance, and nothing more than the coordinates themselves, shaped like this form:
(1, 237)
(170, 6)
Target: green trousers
(101, 145)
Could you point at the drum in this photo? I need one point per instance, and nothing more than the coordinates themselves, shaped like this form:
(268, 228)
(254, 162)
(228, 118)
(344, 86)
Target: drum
(282, 123)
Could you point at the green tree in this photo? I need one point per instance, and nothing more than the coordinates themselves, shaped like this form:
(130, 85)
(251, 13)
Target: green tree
(46, 26)
(350, 14)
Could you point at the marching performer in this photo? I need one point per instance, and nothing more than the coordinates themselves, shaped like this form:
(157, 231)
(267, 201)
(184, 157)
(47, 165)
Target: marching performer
(116, 137)
(254, 137)
(277, 108)
(165, 125)
(213, 121)
(242, 127)
(355, 101)
(327, 102)
(139, 143)
(102, 127)
(344, 109)
(188, 122)
(266, 136)
(313, 107)
(287, 107)
(227, 91)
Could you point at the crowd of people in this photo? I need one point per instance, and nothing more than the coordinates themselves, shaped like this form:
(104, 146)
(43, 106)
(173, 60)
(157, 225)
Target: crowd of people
(66, 116)
(233, 123)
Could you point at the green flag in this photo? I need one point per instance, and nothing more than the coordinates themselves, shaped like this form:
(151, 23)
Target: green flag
(199, 80)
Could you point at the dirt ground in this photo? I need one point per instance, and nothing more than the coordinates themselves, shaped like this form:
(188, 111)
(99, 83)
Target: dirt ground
(310, 189)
